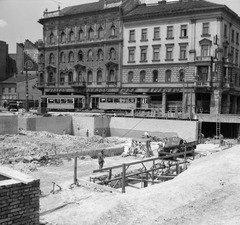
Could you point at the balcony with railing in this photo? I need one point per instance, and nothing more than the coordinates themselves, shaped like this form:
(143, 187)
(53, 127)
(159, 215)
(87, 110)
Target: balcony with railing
(203, 58)
(78, 84)
(47, 14)
(200, 84)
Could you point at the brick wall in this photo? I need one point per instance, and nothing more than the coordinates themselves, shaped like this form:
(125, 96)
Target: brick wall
(19, 202)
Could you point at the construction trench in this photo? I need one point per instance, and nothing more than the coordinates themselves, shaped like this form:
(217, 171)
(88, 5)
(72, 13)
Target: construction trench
(69, 161)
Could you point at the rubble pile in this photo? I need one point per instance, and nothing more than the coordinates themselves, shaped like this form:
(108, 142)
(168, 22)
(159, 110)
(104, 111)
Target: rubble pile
(31, 149)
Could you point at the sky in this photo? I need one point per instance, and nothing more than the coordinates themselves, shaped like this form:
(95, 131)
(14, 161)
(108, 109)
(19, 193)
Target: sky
(19, 18)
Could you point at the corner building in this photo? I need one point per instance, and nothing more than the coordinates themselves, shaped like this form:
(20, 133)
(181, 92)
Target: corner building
(81, 51)
(185, 55)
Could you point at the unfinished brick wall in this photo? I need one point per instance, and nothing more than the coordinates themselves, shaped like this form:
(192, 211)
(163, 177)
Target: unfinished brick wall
(19, 202)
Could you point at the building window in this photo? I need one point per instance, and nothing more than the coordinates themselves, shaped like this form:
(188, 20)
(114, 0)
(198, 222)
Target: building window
(90, 55)
(89, 77)
(63, 37)
(205, 30)
(132, 35)
(232, 36)
(156, 35)
(51, 78)
(181, 75)
(237, 38)
(169, 53)
(90, 33)
(41, 78)
(3, 90)
(143, 55)
(52, 39)
(183, 31)
(142, 76)
(202, 73)
(100, 55)
(112, 54)
(15, 90)
(81, 35)
(183, 52)
(62, 58)
(170, 32)
(113, 30)
(131, 54)
(225, 30)
(41, 58)
(62, 78)
(111, 76)
(100, 32)
(9, 90)
(168, 75)
(99, 77)
(70, 78)
(71, 36)
(156, 53)
(80, 56)
(236, 57)
(130, 77)
(205, 50)
(144, 35)
(71, 57)
(51, 58)
(80, 77)
(155, 76)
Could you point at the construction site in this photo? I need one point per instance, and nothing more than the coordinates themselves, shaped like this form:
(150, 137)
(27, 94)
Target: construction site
(50, 171)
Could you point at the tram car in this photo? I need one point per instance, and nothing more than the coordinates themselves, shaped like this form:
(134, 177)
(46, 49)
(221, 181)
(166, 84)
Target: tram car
(64, 102)
(113, 103)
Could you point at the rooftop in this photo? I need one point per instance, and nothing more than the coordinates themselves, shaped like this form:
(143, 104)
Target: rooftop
(165, 8)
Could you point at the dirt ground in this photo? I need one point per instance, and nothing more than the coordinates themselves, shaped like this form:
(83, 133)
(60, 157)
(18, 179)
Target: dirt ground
(206, 193)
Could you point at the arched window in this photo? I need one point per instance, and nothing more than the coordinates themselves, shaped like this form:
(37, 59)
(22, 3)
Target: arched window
(81, 35)
(63, 37)
(51, 78)
(99, 77)
(111, 76)
(112, 54)
(142, 76)
(90, 33)
(100, 54)
(51, 38)
(71, 57)
(80, 56)
(62, 78)
(80, 77)
(90, 77)
(71, 36)
(90, 55)
(113, 30)
(130, 76)
(155, 76)
(181, 75)
(168, 75)
(70, 78)
(51, 58)
(62, 58)
(100, 32)
(236, 79)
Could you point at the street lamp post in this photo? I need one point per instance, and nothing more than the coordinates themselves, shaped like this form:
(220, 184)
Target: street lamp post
(28, 66)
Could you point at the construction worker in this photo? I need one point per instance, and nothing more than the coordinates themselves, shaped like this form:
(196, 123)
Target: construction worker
(100, 159)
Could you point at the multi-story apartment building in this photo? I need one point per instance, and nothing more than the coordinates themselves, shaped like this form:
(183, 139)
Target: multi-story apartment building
(81, 52)
(185, 55)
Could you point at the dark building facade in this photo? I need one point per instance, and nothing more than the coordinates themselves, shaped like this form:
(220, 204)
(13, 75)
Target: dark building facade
(81, 52)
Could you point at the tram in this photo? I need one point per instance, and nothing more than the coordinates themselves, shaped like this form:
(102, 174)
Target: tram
(63, 102)
(119, 102)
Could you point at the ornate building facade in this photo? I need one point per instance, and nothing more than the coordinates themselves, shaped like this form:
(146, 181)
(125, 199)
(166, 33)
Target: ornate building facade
(185, 55)
(81, 52)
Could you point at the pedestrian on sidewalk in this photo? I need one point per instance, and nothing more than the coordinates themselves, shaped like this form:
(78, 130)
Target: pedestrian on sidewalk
(100, 159)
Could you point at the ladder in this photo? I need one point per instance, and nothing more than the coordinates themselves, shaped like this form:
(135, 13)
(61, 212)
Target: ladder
(218, 126)
(200, 131)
